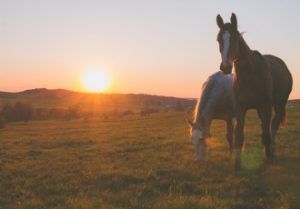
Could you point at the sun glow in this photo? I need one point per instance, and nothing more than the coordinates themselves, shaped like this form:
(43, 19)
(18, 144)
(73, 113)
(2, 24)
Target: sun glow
(95, 80)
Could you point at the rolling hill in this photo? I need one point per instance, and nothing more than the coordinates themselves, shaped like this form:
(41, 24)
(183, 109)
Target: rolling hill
(49, 98)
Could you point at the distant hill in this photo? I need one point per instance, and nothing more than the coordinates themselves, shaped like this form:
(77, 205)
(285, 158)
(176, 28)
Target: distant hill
(63, 97)
(39, 93)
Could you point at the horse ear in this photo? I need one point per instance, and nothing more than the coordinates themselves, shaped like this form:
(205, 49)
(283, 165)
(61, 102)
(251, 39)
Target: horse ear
(233, 21)
(220, 22)
(190, 123)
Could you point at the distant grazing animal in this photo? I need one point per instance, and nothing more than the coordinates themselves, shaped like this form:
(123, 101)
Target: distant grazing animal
(148, 111)
(126, 113)
(215, 102)
(261, 82)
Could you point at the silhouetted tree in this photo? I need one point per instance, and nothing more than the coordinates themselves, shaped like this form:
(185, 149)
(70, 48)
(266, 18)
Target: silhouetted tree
(23, 111)
(8, 113)
(2, 122)
(179, 106)
(73, 112)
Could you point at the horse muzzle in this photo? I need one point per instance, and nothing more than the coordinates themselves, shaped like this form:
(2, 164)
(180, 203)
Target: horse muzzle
(227, 69)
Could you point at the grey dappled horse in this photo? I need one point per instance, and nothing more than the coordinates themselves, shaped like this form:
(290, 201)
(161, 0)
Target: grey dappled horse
(216, 102)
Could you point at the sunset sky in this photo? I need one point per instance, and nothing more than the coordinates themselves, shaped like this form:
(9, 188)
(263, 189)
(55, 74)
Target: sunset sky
(164, 47)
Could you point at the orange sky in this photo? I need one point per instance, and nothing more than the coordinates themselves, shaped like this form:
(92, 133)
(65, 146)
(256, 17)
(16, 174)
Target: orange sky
(155, 47)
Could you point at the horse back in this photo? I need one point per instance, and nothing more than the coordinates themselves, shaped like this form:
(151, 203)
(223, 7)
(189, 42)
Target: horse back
(262, 79)
(217, 100)
(282, 80)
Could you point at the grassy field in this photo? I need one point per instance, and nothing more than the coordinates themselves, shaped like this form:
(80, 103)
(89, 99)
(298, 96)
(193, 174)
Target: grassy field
(143, 162)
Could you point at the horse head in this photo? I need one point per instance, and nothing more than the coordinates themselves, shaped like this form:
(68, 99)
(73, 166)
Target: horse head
(228, 38)
(198, 139)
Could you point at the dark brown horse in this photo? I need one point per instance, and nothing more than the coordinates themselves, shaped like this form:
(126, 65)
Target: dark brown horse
(261, 82)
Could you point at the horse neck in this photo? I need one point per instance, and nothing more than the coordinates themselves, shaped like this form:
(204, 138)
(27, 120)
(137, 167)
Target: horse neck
(197, 113)
(243, 60)
(244, 50)
(200, 118)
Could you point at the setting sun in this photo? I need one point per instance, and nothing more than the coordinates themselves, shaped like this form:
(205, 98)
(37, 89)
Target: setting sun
(95, 80)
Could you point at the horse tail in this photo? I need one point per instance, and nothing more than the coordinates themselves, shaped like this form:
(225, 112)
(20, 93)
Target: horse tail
(281, 113)
(283, 119)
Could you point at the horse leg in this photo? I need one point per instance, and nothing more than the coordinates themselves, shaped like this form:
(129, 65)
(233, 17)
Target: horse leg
(265, 114)
(279, 115)
(229, 136)
(239, 135)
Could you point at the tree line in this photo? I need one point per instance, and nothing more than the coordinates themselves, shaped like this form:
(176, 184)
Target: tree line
(23, 111)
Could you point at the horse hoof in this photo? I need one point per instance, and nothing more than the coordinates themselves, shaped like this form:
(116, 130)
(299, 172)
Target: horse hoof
(227, 159)
(237, 167)
(270, 156)
(270, 153)
(270, 160)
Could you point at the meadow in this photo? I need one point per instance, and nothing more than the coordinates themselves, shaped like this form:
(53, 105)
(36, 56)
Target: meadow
(144, 162)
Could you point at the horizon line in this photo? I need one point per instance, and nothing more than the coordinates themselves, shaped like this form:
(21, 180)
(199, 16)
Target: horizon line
(104, 93)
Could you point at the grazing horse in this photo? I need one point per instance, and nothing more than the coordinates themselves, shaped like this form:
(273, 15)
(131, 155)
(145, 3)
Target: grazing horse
(261, 82)
(216, 102)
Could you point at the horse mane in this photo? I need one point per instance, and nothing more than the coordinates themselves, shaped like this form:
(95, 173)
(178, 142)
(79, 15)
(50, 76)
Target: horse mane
(205, 97)
(200, 102)
(243, 44)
